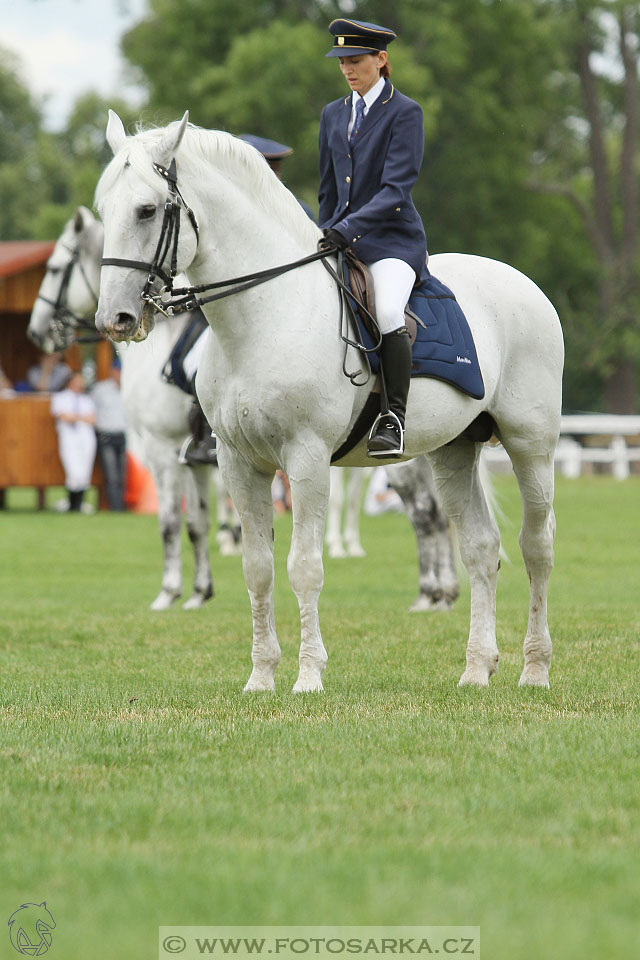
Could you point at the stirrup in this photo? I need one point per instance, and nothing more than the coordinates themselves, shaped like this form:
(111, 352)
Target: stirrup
(389, 452)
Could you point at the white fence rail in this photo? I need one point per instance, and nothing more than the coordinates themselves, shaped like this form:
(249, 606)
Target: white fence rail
(615, 440)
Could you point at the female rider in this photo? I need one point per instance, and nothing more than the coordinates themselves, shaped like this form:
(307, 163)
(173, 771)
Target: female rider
(371, 147)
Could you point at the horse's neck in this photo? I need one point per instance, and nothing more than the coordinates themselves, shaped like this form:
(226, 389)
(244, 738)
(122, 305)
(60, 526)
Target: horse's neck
(240, 237)
(243, 236)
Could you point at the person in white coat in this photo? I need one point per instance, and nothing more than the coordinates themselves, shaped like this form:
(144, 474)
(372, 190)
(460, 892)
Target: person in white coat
(75, 415)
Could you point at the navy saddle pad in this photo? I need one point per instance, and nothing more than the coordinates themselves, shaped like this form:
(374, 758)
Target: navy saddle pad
(444, 347)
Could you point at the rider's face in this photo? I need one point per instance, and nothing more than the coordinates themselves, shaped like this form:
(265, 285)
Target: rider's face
(363, 71)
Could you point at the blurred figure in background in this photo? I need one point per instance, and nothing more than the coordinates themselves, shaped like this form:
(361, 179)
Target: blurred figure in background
(75, 416)
(50, 374)
(111, 426)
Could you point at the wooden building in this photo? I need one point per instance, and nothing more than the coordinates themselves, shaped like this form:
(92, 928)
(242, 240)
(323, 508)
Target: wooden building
(28, 442)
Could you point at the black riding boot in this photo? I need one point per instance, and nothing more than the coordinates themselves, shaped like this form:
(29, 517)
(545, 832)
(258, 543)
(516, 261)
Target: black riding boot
(395, 358)
(201, 446)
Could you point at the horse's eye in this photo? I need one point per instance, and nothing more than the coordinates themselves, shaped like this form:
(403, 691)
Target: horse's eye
(147, 211)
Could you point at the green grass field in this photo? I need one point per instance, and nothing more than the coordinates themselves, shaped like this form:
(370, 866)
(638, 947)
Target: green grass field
(139, 787)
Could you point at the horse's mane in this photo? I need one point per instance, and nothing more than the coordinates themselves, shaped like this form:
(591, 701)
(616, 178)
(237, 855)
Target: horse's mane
(233, 158)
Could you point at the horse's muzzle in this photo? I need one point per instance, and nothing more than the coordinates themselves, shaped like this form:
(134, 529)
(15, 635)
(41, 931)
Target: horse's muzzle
(123, 327)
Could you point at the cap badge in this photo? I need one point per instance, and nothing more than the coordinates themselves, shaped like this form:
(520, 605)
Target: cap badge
(341, 41)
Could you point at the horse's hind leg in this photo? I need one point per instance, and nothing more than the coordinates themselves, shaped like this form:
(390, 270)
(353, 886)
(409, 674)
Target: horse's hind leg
(455, 471)
(165, 469)
(251, 492)
(536, 480)
(333, 537)
(438, 581)
(355, 482)
(197, 492)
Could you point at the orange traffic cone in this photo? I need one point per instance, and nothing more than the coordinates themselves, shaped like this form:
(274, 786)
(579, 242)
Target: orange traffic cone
(140, 494)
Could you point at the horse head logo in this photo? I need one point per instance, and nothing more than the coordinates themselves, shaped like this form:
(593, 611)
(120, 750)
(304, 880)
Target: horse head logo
(30, 929)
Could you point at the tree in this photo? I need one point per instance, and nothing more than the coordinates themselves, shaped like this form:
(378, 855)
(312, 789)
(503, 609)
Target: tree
(589, 157)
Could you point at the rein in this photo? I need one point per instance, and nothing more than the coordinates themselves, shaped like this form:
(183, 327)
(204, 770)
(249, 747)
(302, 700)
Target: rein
(171, 301)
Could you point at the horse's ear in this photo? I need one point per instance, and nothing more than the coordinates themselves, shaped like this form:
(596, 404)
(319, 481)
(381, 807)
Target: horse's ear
(166, 149)
(116, 135)
(82, 219)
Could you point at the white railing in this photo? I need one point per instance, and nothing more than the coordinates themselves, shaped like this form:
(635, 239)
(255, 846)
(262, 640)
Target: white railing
(611, 430)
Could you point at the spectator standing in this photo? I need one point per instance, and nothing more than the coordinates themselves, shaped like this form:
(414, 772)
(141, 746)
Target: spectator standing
(111, 426)
(75, 416)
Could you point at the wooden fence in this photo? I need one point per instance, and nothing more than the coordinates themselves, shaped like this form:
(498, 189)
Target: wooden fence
(29, 446)
(587, 440)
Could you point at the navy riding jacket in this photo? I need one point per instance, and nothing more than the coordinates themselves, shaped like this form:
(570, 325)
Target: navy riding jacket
(365, 189)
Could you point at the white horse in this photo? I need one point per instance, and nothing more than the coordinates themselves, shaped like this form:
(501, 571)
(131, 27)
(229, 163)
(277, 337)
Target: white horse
(66, 305)
(272, 383)
(156, 411)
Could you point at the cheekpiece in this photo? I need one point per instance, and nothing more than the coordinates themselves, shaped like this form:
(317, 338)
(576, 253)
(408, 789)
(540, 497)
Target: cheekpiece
(353, 37)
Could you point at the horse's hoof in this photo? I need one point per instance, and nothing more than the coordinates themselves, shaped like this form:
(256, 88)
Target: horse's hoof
(356, 550)
(198, 598)
(308, 686)
(337, 553)
(261, 681)
(474, 677)
(164, 600)
(309, 679)
(426, 604)
(227, 544)
(534, 675)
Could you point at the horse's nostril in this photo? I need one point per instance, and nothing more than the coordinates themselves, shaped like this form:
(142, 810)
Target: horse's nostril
(125, 324)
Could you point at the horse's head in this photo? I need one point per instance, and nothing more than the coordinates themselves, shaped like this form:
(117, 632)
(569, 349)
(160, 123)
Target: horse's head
(67, 297)
(147, 240)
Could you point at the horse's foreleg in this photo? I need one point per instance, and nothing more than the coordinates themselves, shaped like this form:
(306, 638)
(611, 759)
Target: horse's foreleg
(438, 581)
(162, 460)
(333, 537)
(536, 481)
(251, 492)
(355, 483)
(309, 480)
(197, 491)
(455, 471)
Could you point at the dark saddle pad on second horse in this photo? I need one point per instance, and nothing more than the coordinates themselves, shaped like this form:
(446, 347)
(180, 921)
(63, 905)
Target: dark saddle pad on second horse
(443, 347)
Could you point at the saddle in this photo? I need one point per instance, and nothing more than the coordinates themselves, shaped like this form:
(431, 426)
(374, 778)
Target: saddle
(361, 284)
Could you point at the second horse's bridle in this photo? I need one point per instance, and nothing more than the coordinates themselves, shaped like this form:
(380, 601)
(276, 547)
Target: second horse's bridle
(64, 321)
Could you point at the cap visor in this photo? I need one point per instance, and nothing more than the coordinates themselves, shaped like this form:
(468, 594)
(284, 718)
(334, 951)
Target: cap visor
(350, 51)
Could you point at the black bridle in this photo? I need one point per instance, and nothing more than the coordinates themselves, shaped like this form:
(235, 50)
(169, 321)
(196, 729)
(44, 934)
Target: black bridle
(171, 301)
(64, 320)
(167, 243)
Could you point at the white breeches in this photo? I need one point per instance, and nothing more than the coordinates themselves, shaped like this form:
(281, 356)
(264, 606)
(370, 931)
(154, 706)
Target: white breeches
(77, 448)
(393, 281)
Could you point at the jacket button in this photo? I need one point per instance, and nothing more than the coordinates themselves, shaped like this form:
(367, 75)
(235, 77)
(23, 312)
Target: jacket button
(348, 179)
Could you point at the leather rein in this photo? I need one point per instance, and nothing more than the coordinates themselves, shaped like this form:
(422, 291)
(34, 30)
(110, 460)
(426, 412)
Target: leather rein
(175, 300)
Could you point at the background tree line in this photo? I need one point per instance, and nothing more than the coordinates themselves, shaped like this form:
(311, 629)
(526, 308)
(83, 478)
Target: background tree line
(531, 155)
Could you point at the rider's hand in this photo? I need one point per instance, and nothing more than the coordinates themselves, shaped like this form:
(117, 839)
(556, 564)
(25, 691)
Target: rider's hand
(332, 240)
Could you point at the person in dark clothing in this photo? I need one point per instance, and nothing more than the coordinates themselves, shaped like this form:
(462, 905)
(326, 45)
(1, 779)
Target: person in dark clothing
(371, 147)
